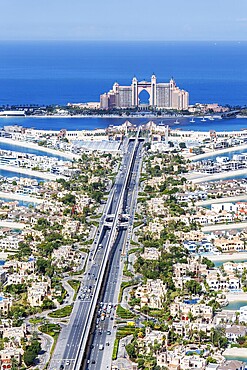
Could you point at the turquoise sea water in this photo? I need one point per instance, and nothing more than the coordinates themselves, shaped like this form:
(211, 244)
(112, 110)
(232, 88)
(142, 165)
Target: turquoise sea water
(21, 149)
(19, 175)
(229, 155)
(244, 359)
(235, 306)
(20, 202)
(220, 263)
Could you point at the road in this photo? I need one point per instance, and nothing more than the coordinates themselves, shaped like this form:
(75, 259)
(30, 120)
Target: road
(72, 341)
(104, 331)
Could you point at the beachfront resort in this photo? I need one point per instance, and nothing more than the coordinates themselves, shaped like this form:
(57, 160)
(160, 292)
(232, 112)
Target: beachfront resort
(186, 262)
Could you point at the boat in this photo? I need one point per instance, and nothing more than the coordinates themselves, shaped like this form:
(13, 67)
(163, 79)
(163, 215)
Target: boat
(203, 120)
(176, 122)
(211, 118)
(192, 121)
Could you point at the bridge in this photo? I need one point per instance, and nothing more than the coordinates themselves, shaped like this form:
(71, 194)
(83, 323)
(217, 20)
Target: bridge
(231, 114)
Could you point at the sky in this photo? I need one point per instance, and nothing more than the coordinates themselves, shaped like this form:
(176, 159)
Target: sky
(166, 20)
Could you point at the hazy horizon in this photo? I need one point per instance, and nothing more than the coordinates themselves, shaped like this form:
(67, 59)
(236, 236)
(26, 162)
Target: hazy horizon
(141, 20)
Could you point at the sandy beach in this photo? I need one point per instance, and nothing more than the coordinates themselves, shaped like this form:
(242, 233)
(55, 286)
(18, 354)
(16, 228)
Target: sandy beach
(236, 297)
(3, 255)
(238, 225)
(26, 144)
(228, 256)
(25, 198)
(12, 225)
(197, 177)
(26, 171)
(217, 152)
(239, 352)
(239, 198)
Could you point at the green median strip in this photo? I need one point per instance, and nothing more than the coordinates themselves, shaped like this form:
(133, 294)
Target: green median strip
(115, 349)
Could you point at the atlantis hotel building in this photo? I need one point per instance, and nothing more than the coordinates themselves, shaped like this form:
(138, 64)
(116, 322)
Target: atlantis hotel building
(161, 95)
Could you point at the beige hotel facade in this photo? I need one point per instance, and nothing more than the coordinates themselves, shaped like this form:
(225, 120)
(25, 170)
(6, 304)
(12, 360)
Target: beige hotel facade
(161, 95)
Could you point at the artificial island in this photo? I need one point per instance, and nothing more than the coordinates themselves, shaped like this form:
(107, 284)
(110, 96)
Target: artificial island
(128, 255)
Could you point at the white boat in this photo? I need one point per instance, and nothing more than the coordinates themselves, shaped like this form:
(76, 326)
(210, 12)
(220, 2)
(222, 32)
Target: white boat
(192, 121)
(203, 120)
(211, 118)
(176, 122)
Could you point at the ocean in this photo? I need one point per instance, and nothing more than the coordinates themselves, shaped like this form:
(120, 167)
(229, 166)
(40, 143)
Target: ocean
(87, 123)
(62, 72)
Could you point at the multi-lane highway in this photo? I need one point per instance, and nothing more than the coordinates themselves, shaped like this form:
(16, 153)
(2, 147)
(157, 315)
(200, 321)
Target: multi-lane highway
(104, 330)
(100, 274)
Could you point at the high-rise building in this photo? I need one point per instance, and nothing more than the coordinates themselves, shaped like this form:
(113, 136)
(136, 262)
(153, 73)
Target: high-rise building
(161, 95)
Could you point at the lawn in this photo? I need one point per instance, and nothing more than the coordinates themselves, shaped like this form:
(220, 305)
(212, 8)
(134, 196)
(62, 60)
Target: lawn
(75, 284)
(123, 313)
(61, 312)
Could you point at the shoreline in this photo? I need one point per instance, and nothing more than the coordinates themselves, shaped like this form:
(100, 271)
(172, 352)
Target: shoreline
(228, 257)
(214, 115)
(239, 352)
(12, 225)
(206, 202)
(199, 177)
(30, 145)
(239, 225)
(219, 151)
(21, 197)
(237, 297)
(33, 173)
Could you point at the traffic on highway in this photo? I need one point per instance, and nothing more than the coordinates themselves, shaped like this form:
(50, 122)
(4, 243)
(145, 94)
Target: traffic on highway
(86, 342)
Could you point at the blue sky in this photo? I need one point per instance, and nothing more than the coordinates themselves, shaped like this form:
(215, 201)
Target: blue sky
(123, 20)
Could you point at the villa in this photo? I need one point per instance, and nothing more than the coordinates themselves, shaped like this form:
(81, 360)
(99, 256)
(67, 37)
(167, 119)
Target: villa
(217, 281)
(234, 332)
(152, 294)
(243, 314)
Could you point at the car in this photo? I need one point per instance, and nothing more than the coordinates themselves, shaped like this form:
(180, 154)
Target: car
(61, 367)
(68, 363)
(93, 361)
(107, 343)
(108, 332)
